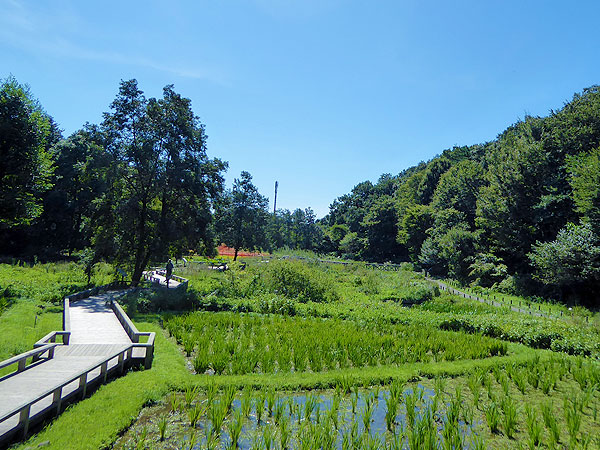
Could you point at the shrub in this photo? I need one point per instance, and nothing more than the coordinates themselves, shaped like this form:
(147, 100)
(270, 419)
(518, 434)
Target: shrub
(298, 280)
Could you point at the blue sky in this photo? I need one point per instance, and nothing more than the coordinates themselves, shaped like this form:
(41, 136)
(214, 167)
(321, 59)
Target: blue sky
(317, 94)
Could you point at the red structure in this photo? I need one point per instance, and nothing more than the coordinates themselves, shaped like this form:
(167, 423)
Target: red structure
(228, 251)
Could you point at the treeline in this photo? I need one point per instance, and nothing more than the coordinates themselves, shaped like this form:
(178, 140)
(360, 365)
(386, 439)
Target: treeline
(133, 190)
(521, 212)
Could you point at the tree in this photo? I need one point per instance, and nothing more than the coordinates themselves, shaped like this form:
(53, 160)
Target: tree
(584, 171)
(571, 262)
(26, 166)
(242, 216)
(162, 184)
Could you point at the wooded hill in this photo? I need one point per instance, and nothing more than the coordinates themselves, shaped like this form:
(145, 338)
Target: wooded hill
(520, 212)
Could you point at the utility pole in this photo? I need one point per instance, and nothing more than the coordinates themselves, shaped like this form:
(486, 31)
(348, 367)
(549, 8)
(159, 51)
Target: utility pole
(275, 202)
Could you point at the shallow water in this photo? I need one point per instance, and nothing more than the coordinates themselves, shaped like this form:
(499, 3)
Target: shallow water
(294, 409)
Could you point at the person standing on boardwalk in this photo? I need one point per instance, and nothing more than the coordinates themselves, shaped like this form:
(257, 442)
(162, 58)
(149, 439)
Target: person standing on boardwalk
(169, 271)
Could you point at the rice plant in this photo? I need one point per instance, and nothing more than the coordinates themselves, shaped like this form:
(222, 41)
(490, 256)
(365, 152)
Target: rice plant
(190, 394)
(534, 428)
(474, 383)
(510, 416)
(162, 427)
(234, 427)
(194, 413)
(492, 417)
(550, 421)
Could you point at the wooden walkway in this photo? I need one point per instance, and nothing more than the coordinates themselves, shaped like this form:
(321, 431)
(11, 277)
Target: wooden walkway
(99, 346)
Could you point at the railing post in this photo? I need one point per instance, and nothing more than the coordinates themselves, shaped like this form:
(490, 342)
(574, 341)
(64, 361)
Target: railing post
(24, 419)
(104, 371)
(21, 366)
(149, 356)
(121, 362)
(57, 399)
(83, 384)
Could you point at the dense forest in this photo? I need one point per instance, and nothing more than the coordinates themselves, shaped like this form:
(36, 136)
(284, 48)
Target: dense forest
(521, 212)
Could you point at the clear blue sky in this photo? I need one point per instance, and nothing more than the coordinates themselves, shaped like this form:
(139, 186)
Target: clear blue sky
(317, 94)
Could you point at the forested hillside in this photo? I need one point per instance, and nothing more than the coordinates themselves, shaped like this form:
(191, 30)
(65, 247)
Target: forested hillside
(521, 211)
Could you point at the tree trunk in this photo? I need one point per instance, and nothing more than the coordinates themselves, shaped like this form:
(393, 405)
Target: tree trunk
(235, 254)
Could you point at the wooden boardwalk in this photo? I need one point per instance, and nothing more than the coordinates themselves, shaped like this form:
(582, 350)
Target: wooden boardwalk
(99, 345)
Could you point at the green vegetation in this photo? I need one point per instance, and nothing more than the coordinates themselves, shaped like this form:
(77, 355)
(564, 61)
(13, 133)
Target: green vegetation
(33, 300)
(356, 334)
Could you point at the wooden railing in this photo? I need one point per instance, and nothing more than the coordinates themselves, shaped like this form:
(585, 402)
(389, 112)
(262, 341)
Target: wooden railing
(106, 369)
(35, 355)
(135, 335)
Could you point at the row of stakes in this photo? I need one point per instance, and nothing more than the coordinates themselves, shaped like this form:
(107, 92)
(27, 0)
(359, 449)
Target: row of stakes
(491, 302)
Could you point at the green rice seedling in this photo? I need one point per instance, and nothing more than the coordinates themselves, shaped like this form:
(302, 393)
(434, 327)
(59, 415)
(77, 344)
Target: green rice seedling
(220, 362)
(278, 411)
(520, 382)
(534, 377)
(194, 413)
(284, 432)
(201, 362)
(162, 427)
(190, 443)
(367, 415)
(229, 396)
(190, 394)
(474, 383)
(317, 413)
(211, 392)
(271, 399)
(468, 412)
(573, 419)
(140, 442)
(390, 413)
(497, 373)
(504, 382)
(246, 401)
(492, 417)
(439, 385)
(370, 442)
(234, 427)
(188, 346)
(534, 428)
(259, 405)
(453, 410)
(550, 421)
(546, 383)
(212, 440)
(309, 406)
(411, 403)
(396, 389)
(354, 402)
(510, 416)
(451, 436)
(218, 413)
(477, 442)
(174, 402)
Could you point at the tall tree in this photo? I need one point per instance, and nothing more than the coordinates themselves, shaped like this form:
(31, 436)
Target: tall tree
(163, 185)
(242, 216)
(26, 166)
